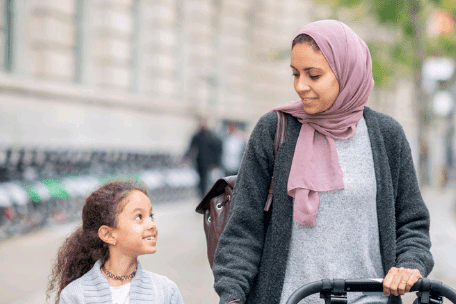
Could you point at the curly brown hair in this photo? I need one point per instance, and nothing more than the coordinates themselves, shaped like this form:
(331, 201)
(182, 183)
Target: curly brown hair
(304, 38)
(83, 248)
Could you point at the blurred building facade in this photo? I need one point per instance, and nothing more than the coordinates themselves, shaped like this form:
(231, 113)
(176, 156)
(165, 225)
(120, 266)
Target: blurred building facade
(135, 74)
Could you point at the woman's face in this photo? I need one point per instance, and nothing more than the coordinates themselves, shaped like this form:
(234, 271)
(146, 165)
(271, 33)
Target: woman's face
(314, 80)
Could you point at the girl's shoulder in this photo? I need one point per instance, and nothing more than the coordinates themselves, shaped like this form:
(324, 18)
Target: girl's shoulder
(165, 289)
(160, 280)
(72, 293)
(75, 291)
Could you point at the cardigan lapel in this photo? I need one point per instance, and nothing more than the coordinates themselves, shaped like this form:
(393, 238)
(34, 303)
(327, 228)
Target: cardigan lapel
(280, 226)
(96, 287)
(140, 290)
(385, 197)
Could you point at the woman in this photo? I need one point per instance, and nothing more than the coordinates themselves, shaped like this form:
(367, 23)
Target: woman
(346, 198)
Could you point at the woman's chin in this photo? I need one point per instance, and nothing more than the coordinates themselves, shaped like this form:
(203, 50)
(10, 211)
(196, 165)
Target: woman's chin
(309, 110)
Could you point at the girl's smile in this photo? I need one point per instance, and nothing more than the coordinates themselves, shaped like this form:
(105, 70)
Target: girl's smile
(151, 240)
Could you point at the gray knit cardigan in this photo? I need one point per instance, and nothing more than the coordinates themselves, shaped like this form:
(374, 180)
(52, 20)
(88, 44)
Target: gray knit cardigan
(146, 287)
(250, 264)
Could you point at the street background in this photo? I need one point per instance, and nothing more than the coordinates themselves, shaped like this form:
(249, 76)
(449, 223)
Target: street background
(181, 252)
(103, 89)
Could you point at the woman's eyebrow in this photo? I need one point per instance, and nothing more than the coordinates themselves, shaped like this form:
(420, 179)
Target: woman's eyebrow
(307, 69)
(312, 68)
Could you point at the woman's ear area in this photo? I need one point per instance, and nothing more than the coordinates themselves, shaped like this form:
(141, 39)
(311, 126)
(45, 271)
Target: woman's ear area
(107, 234)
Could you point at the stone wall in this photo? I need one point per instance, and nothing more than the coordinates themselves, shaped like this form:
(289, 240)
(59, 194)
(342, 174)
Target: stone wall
(137, 73)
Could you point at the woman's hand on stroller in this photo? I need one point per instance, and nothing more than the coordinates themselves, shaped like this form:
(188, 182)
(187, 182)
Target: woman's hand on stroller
(398, 281)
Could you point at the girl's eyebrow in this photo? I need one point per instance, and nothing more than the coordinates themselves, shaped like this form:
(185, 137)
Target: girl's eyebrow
(141, 209)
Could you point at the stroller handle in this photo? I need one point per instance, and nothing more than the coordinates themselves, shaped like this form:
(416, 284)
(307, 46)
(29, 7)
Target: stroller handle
(369, 285)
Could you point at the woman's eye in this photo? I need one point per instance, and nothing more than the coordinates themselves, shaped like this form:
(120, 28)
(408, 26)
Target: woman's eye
(314, 76)
(295, 75)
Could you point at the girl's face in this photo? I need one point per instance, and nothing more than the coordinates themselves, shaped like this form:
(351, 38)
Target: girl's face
(314, 80)
(136, 232)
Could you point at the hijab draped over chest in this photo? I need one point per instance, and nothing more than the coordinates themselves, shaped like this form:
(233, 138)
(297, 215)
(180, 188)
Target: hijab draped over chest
(315, 166)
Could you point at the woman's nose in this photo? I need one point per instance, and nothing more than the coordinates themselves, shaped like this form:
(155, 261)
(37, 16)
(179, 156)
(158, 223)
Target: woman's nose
(301, 85)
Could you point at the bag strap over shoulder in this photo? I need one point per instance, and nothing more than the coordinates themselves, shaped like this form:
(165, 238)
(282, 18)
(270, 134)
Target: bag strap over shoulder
(279, 137)
(281, 130)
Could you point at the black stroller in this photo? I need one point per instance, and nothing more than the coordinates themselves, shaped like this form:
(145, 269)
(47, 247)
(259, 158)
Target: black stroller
(335, 291)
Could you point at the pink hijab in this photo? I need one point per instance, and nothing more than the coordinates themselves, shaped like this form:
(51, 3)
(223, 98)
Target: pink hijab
(315, 165)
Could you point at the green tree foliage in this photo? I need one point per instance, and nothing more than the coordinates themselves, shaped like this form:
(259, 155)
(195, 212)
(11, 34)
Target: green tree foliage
(400, 57)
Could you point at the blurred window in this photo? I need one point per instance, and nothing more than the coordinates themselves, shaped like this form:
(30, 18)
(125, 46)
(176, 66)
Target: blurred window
(6, 30)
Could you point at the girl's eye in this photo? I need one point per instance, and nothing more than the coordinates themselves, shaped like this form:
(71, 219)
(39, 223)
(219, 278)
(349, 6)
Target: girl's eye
(138, 217)
(152, 216)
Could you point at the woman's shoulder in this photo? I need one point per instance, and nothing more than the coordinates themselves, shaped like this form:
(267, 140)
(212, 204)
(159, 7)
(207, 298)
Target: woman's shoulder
(268, 119)
(387, 124)
(267, 124)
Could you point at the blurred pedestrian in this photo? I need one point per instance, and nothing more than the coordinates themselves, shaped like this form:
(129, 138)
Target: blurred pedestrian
(98, 262)
(346, 198)
(233, 150)
(205, 150)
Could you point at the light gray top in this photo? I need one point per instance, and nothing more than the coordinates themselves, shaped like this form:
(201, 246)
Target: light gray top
(146, 287)
(345, 242)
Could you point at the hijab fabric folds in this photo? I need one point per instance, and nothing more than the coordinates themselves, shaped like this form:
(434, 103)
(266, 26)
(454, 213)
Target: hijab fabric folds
(315, 166)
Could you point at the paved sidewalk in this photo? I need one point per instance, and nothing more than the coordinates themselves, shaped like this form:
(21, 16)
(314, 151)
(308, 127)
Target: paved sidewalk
(442, 207)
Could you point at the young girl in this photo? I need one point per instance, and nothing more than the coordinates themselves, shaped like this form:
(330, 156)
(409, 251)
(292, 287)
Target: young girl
(98, 262)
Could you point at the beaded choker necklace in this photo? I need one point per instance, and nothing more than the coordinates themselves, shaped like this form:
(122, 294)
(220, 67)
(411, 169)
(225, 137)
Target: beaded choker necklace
(118, 277)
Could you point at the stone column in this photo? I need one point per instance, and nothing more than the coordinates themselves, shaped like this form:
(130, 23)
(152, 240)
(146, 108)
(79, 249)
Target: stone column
(269, 38)
(3, 28)
(198, 32)
(158, 43)
(233, 61)
(52, 39)
(110, 45)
